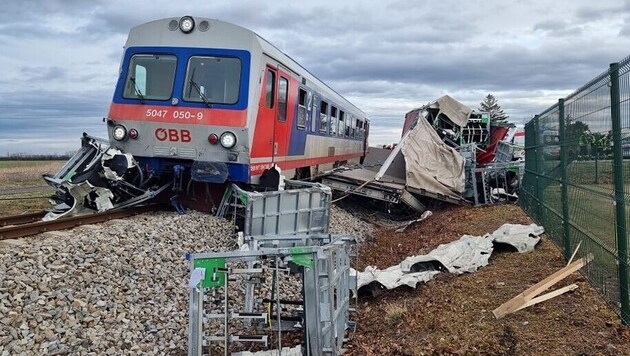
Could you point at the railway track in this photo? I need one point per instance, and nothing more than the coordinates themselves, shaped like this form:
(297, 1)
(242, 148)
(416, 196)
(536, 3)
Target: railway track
(16, 226)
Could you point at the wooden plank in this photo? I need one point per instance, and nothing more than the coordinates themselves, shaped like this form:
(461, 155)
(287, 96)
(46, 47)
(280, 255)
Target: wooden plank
(515, 303)
(548, 296)
(574, 253)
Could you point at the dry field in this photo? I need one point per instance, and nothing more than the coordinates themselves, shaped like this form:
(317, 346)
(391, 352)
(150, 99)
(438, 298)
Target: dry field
(16, 177)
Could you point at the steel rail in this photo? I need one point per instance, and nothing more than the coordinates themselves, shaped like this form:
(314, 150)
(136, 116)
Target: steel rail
(21, 219)
(33, 228)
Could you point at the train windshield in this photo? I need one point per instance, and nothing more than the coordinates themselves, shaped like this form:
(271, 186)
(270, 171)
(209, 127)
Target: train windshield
(150, 76)
(213, 79)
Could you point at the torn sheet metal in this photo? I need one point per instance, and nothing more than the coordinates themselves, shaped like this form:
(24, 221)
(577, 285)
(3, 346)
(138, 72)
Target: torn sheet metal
(83, 193)
(405, 225)
(393, 277)
(115, 164)
(464, 255)
(522, 237)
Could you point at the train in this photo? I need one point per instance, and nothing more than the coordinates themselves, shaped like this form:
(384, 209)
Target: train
(200, 101)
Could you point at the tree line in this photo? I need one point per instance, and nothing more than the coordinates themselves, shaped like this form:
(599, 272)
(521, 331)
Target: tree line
(21, 156)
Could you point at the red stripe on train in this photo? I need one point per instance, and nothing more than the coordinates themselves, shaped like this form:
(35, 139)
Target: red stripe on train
(178, 115)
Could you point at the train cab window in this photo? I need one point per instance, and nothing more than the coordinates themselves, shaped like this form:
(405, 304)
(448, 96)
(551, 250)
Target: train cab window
(270, 89)
(283, 90)
(333, 121)
(150, 76)
(323, 118)
(301, 117)
(214, 80)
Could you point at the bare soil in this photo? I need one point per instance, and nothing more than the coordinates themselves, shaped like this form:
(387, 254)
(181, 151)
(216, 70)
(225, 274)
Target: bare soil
(452, 315)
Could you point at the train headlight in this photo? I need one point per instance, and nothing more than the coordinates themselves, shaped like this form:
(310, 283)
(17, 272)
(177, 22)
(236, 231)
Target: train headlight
(228, 139)
(133, 134)
(186, 24)
(119, 133)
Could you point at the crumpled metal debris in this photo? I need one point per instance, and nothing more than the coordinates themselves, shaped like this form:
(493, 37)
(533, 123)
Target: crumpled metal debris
(464, 255)
(98, 178)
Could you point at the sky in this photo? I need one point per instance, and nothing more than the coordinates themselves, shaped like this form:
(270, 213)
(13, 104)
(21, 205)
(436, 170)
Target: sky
(60, 59)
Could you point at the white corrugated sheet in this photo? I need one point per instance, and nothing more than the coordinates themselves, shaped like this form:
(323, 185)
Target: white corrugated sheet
(464, 255)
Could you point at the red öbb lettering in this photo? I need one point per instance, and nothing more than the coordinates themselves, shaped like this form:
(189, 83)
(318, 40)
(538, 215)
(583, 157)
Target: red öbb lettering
(185, 135)
(172, 135)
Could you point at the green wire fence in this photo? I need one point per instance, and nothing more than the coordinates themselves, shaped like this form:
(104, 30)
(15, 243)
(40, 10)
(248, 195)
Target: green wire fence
(577, 157)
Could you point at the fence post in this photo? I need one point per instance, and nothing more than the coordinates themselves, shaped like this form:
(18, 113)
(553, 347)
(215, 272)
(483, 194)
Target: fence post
(538, 170)
(620, 202)
(564, 195)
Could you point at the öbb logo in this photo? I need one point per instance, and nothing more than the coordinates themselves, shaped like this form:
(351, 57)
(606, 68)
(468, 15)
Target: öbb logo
(173, 135)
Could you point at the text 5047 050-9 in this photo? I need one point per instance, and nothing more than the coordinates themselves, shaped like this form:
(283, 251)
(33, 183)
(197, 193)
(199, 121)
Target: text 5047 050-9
(174, 114)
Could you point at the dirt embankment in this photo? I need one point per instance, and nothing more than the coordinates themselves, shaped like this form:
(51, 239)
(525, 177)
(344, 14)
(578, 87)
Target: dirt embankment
(453, 314)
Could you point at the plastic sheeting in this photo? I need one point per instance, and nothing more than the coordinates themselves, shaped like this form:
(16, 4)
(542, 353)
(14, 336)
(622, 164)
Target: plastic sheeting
(464, 255)
(457, 112)
(431, 164)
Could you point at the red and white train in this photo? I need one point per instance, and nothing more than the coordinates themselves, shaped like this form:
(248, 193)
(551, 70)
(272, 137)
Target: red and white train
(217, 103)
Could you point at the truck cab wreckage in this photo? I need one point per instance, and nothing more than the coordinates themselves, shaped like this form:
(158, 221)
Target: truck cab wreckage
(448, 152)
(98, 178)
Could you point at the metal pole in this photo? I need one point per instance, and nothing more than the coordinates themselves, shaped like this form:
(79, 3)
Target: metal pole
(278, 308)
(537, 154)
(566, 236)
(620, 207)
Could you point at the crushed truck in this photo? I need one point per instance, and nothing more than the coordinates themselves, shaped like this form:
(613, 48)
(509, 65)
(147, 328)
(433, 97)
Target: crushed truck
(448, 153)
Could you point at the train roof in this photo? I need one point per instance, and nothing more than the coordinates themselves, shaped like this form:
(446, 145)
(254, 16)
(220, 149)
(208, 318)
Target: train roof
(165, 32)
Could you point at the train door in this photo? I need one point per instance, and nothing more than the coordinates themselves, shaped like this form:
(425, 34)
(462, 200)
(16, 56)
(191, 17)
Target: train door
(263, 147)
(273, 124)
(282, 124)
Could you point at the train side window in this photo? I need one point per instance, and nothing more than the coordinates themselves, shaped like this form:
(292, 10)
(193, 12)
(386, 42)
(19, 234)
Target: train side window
(348, 127)
(283, 89)
(342, 121)
(360, 129)
(333, 121)
(313, 115)
(323, 118)
(301, 117)
(271, 88)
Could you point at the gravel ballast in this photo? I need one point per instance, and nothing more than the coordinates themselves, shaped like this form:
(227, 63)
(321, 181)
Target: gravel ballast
(117, 288)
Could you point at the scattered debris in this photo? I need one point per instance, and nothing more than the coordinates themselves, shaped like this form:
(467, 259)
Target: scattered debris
(98, 178)
(448, 152)
(404, 226)
(521, 237)
(530, 296)
(464, 255)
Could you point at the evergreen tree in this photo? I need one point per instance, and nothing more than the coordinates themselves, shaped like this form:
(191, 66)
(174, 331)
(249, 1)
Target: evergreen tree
(490, 104)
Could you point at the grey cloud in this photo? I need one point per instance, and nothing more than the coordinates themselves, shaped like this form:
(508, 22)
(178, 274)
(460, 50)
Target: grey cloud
(42, 73)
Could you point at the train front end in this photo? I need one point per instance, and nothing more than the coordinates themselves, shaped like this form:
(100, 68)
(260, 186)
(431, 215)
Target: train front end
(178, 120)
(181, 101)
